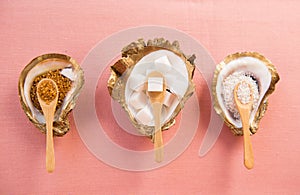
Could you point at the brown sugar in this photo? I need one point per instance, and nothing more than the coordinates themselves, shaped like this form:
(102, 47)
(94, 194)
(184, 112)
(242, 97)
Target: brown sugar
(47, 91)
(63, 83)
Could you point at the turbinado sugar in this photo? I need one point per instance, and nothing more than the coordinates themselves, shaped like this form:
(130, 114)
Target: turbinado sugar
(63, 83)
(47, 91)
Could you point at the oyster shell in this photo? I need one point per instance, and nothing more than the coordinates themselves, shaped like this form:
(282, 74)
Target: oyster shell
(69, 78)
(259, 72)
(128, 77)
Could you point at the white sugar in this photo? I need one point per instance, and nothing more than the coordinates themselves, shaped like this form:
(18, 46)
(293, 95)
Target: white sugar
(244, 93)
(229, 84)
(155, 84)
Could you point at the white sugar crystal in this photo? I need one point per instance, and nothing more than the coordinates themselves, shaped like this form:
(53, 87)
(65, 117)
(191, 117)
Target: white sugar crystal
(176, 83)
(229, 84)
(144, 116)
(244, 93)
(138, 100)
(68, 72)
(163, 64)
(136, 81)
(155, 84)
(176, 79)
(169, 98)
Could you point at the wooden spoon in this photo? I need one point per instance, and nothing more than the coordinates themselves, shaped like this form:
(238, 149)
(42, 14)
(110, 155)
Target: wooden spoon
(156, 99)
(244, 109)
(47, 93)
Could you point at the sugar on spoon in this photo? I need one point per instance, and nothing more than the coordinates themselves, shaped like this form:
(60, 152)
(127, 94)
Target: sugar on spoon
(47, 93)
(244, 100)
(156, 90)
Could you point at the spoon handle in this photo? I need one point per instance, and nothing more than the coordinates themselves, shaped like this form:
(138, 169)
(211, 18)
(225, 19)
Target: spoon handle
(248, 152)
(49, 116)
(158, 140)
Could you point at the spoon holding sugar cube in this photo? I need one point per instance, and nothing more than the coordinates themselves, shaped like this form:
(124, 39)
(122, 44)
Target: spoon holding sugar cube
(156, 90)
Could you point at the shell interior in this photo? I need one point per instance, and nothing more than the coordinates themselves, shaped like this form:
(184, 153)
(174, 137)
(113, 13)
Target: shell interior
(44, 67)
(258, 72)
(248, 65)
(175, 72)
(51, 62)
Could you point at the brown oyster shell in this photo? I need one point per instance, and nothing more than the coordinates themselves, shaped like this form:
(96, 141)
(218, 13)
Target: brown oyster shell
(131, 54)
(60, 126)
(264, 102)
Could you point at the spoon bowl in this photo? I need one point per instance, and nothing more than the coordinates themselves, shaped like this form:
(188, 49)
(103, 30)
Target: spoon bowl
(47, 93)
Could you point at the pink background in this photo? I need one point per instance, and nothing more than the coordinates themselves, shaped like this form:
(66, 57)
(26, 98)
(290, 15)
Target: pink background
(31, 28)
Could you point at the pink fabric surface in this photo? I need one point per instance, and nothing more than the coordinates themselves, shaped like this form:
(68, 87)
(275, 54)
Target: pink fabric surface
(31, 28)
